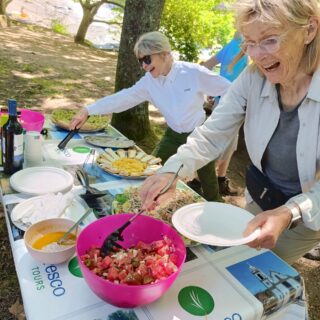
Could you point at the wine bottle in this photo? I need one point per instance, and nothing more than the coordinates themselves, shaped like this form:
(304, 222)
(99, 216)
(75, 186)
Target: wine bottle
(12, 141)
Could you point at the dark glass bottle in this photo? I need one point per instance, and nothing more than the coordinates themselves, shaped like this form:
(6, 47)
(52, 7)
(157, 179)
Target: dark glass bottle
(12, 141)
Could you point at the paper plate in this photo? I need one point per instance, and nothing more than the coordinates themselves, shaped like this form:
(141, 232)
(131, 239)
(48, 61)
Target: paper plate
(214, 223)
(73, 212)
(41, 180)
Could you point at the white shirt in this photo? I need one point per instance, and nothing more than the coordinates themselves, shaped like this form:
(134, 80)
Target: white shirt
(253, 100)
(179, 96)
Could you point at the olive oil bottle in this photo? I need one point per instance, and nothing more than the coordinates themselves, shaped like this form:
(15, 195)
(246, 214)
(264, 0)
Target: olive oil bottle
(12, 141)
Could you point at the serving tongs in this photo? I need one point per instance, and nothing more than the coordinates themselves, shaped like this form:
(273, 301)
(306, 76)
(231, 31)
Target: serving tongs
(111, 240)
(91, 192)
(67, 138)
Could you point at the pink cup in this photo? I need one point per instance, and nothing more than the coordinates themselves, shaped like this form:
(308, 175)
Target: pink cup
(144, 229)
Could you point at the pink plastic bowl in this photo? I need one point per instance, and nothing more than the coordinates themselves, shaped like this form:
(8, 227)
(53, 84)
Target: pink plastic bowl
(31, 120)
(144, 229)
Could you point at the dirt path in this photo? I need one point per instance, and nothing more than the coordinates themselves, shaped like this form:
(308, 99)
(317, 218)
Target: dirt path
(45, 71)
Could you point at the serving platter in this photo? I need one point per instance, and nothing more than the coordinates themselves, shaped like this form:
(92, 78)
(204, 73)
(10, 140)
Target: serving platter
(105, 141)
(129, 164)
(95, 123)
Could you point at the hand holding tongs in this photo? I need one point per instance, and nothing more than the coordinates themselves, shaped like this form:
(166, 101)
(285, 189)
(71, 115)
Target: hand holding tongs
(111, 240)
(67, 138)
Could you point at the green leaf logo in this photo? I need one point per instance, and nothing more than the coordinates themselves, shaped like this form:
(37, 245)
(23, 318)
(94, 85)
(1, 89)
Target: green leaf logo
(74, 268)
(196, 301)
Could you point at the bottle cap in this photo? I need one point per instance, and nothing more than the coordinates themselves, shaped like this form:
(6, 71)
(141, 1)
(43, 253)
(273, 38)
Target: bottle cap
(12, 107)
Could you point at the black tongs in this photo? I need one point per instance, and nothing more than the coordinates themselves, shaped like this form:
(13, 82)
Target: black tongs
(111, 240)
(67, 138)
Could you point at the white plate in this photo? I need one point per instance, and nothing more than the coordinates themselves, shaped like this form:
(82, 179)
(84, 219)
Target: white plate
(73, 212)
(41, 180)
(214, 223)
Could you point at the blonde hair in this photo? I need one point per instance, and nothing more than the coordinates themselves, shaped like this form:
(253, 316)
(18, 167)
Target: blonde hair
(287, 15)
(150, 43)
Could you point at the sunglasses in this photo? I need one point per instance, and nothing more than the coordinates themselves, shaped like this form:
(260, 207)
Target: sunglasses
(145, 60)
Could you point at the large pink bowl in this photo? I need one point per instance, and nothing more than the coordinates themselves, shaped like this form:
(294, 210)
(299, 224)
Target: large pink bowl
(144, 229)
(30, 120)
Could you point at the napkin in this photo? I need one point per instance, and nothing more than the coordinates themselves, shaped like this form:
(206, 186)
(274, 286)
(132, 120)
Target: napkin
(45, 207)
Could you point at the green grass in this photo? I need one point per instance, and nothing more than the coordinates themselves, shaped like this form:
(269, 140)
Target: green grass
(5, 68)
(29, 68)
(58, 27)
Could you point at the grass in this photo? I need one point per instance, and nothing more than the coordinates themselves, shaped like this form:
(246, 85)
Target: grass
(9, 283)
(58, 27)
(28, 89)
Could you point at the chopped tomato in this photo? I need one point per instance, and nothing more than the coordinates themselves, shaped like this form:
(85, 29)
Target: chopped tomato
(113, 274)
(142, 264)
(105, 263)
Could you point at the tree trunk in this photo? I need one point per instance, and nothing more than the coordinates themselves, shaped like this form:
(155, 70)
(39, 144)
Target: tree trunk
(87, 18)
(140, 16)
(3, 6)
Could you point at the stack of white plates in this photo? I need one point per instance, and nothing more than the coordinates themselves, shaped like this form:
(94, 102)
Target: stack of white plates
(41, 180)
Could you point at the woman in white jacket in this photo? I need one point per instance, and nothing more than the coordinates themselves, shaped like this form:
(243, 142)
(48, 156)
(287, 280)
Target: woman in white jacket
(278, 100)
(177, 89)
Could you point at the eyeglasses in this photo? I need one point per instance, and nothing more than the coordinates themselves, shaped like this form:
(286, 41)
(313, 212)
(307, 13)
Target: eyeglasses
(270, 45)
(145, 60)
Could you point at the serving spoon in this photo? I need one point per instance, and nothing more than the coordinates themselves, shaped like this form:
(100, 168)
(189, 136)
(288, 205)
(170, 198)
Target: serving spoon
(63, 240)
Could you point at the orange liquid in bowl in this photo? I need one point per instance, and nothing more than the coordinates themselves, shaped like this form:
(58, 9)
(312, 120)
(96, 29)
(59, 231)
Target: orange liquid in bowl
(51, 238)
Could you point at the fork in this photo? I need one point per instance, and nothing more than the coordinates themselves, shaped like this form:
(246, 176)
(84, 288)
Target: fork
(111, 240)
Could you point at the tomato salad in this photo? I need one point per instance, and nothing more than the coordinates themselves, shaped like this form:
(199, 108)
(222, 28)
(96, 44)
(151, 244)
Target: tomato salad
(138, 265)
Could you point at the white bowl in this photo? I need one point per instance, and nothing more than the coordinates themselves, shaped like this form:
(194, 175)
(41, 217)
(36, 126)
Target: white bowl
(43, 227)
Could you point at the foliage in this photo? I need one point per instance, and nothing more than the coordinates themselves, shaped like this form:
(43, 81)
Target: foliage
(58, 27)
(194, 25)
(90, 8)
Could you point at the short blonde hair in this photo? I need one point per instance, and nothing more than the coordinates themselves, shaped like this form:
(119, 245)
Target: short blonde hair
(151, 43)
(287, 15)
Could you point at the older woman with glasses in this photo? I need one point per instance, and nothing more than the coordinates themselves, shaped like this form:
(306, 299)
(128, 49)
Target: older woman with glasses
(177, 89)
(278, 100)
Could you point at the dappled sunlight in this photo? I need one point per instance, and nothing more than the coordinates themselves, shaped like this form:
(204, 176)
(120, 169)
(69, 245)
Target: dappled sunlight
(155, 115)
(26, 75)
(43, 63)
(48, 105)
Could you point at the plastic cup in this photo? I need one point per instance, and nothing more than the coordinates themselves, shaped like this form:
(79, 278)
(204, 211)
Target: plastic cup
(33, 147)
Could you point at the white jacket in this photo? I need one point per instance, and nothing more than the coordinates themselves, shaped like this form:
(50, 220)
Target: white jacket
(179, 95)
(253, 100)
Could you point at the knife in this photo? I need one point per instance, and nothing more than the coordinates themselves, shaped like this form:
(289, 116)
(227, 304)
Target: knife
(67, 138)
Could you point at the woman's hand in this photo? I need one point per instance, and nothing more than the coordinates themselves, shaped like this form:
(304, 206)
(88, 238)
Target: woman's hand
(151, 188)
(79, 119)
(272, 224)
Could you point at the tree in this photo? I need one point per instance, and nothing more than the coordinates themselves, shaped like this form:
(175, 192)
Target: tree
(90, 8)
(195, 25)
(140, 16)
(3, 6)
